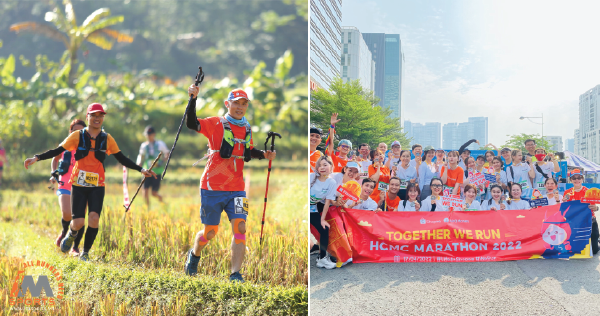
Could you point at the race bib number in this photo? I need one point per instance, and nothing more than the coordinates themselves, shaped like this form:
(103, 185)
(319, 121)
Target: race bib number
(363, 175)
(382, 186)
(540, 186)
(241, 205)
(403, 184)
(87, 179)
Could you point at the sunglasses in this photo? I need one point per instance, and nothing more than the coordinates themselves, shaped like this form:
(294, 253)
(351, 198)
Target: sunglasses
(577, 178)
(345, 146)
(436, 185)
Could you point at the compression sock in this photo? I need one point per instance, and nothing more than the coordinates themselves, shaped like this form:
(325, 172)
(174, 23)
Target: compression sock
(78, 238)
(65, 225)
(90, 236)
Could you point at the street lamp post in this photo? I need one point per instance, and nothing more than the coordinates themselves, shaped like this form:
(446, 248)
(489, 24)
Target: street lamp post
(530, 117)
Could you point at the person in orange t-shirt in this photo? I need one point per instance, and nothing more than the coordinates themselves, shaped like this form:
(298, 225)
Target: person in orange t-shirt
(392, 200)
(91, 146)
(222, 183)
(452, 174)
(379, 173)
(577, 192)
(315, 139)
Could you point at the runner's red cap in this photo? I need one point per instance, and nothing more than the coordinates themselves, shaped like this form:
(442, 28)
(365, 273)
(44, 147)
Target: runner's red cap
(95, 107)
(237, 94)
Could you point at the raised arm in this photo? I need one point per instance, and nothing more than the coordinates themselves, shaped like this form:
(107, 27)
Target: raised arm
(191, 119)
(465, 145)
(332, 121)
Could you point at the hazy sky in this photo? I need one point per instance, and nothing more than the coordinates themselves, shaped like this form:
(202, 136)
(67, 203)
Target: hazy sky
(500, 59)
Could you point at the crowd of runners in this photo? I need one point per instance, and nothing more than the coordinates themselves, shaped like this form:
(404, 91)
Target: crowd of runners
(416, 179)
(78, 169)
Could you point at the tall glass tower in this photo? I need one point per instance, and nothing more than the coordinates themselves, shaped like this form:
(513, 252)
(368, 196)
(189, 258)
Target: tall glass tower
(325, 42)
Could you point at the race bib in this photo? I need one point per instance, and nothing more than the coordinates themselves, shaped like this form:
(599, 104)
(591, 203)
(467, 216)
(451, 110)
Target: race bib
(363, 175)
(382, 186)
(87, 179)
(403, 184)
(523, 184)
(241, 205)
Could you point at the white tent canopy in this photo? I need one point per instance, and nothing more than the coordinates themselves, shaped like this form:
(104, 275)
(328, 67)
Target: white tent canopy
(578, 161)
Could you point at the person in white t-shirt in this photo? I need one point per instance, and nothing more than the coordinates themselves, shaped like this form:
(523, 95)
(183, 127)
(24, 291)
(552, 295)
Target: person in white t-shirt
(411, 204)
(520, 172)
(471, 202)
(417, 151)
(322, 194)
(496, 202)
(427, 171)
(515, 202)
(405, 172)
(433, 203)
(393, 157)
(365, 202)
(552, 194)
(149, 150)
(349, 172)
(543, 169)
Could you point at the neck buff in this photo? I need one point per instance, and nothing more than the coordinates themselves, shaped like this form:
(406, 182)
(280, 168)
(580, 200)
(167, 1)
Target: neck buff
(243, 122)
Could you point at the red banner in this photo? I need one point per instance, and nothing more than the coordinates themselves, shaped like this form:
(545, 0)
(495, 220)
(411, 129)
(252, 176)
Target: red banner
(557, 231)
(339, 245)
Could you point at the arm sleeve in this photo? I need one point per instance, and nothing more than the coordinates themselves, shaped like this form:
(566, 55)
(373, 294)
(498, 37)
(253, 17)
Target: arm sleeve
(126, 161)
(51, 153)
(465, 145)
(255, 153)
(191, 119)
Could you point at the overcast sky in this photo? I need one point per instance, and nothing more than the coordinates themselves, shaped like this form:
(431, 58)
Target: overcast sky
(500, 59)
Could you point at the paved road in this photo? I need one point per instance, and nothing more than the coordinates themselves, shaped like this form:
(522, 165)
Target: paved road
(526, 287)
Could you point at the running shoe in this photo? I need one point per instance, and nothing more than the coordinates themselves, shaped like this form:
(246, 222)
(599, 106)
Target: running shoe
(236, 276)
(84, 257)
(191, 264)
(75, 252)
(325, 263)
(60, 237)
(67, 243)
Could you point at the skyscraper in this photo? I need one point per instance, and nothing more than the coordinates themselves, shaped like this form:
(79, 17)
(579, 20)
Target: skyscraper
(456, 134)
(325, 44)
(389, 61)
(357, 61)
(588, 142)
(569, 144)
(555, 142)
(428, 134)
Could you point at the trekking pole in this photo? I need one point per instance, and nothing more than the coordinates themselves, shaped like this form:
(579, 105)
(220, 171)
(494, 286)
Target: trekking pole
(199, 79)
(142, 183)
(270, 135)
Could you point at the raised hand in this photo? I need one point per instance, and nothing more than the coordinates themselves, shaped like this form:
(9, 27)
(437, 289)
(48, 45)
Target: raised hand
(334, 119)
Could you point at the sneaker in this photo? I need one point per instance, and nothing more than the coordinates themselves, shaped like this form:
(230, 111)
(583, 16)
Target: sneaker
(345, 263)
(325, 263)
(67, 243)
(74, 252)
(236, 276)
(191, 263)
(84, 256)
(59, 238)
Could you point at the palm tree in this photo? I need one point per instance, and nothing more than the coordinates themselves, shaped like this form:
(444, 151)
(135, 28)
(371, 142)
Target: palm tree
(94, 30)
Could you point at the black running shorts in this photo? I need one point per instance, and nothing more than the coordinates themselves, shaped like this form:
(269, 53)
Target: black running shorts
(92, 197)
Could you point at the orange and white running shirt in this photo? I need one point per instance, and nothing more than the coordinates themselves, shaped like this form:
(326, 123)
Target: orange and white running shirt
(222, 174)
(314, 156)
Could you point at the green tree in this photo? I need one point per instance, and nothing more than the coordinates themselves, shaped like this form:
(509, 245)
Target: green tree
(518, 141)
(94, 29)
(362, 120)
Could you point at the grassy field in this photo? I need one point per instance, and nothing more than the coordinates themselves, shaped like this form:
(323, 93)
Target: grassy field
(146, 245)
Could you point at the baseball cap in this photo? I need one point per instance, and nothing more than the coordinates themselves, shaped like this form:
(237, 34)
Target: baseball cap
(149, 130)
(505, 149)
(395, 143)
(237, 94)
(428, 148)
(95, 107)
(575, 172)
(467, 149)
(353, 164)
(345, 142)
(315, 130)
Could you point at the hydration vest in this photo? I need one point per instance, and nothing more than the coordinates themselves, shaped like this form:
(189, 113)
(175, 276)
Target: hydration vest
(229, 141)
(85, 144)
(64, 163)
